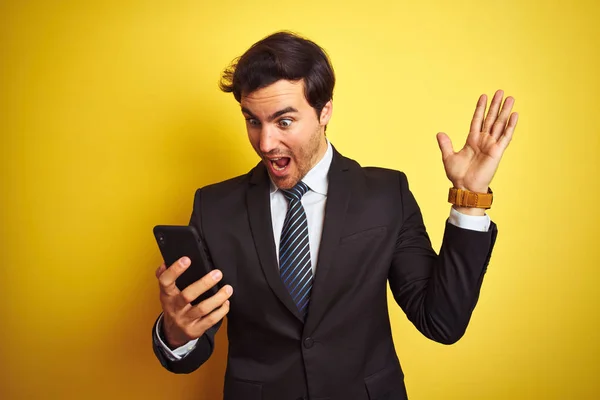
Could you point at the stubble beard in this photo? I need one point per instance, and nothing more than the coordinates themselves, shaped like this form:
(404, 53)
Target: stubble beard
(306, 159)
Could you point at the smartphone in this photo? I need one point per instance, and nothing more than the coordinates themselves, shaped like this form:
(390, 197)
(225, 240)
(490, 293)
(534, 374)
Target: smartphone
(176, 241)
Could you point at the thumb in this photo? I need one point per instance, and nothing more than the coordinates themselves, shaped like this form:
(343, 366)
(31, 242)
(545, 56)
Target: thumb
(445, 145)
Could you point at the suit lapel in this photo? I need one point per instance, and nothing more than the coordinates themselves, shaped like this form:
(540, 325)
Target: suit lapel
(258, 204)
(338, 195)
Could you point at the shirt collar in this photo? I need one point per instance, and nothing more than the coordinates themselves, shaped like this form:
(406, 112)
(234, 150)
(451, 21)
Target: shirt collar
(316, 178)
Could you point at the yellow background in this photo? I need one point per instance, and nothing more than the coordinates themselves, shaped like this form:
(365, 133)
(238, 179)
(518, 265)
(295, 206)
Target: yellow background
(111, 118)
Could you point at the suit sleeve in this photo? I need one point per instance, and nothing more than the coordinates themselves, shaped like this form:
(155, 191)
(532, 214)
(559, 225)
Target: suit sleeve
(206, 343)
(438, 293)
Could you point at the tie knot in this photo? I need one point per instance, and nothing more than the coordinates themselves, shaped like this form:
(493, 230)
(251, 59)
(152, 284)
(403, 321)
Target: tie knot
(296, 192)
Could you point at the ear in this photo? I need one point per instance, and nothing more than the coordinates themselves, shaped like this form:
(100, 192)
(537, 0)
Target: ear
(326, 113)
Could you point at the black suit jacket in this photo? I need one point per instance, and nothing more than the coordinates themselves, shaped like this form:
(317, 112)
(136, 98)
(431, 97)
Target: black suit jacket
(373, 235)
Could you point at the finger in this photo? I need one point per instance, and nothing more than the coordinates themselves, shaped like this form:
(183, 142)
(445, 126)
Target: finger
(207, 306)
(203, 284)
(160, 270)
(445, 145)
(211, 319)
(493, 111)
(166, 280)
(508, 133)
(500, 124)
(477, 121)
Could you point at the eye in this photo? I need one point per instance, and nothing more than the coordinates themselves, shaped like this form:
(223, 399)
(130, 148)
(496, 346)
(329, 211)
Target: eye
(253, 121)
(285, 123)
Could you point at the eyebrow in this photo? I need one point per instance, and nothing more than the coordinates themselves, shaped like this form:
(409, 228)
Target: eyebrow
(274, 115)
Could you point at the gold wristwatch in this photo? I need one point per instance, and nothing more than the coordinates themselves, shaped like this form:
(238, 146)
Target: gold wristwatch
(465, 198)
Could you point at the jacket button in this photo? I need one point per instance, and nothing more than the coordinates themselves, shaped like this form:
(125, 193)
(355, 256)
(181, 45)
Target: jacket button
(308, 342)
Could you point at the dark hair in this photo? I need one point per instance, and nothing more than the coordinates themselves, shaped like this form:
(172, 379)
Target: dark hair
(282, 55)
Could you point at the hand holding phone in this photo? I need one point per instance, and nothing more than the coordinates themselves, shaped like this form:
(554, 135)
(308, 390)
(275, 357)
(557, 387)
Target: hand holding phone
(177, 241)
(188, 294)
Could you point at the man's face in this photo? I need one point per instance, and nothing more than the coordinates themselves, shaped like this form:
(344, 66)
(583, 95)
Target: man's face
(285, 131)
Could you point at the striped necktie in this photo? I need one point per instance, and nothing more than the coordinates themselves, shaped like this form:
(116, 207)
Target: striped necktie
(294, 250)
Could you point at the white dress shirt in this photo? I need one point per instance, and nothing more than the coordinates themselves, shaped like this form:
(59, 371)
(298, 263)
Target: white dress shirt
(314, 205)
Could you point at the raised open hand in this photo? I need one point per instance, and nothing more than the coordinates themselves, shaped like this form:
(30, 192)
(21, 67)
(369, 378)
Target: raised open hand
(473, 167)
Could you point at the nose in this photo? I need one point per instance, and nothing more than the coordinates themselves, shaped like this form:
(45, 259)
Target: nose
(268, 139)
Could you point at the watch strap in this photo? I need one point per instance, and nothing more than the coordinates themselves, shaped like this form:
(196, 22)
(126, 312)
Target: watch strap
(466, 198)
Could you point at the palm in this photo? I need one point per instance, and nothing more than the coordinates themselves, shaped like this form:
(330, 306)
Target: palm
(474, 166)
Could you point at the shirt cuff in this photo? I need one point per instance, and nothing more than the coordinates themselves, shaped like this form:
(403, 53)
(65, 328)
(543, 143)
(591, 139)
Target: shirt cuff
(471, 222)
(178, 353)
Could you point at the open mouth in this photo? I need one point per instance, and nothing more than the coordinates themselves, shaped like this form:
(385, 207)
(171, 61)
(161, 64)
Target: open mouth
(279, 164)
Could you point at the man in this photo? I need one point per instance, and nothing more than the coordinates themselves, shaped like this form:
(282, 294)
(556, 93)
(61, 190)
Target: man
(309, 240)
